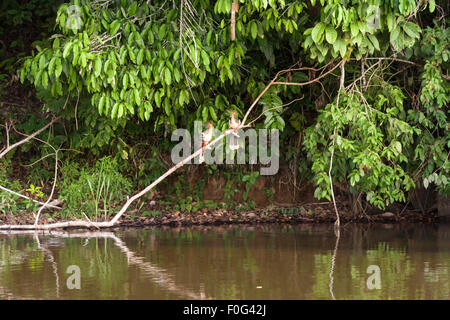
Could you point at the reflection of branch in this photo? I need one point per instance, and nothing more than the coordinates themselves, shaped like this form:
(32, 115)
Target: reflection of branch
(5, 294)
(333, 261)
(158, 275)
(51, 259)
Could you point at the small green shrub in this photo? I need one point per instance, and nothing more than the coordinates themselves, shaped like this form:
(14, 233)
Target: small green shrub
(10, 203)
(93, 188)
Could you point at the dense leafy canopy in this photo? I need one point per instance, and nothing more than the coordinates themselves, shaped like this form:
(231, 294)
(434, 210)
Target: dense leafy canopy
(152, 66)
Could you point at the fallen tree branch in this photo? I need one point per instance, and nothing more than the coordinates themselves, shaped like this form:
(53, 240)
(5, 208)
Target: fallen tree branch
(57, 225)
(167, 173)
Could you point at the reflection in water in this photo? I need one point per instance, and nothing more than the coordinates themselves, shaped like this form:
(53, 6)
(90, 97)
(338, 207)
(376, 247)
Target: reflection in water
(158, 275)
(337, 232)
(229, 262)
(49, 254)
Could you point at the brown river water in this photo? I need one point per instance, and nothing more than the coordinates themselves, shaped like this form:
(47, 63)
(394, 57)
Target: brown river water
(410, 261)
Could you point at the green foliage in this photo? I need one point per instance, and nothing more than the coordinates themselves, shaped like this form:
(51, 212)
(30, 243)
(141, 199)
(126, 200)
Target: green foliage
(432, 116)
(10, 203)
(36, 191)
(249, 180)
(356, 27)
(89, 189)
(124, 71)
(270, 194)
(153, 213)
(369, 138)
(129, 68)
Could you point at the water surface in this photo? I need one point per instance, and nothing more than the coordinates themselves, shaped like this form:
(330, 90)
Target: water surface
(230, 262)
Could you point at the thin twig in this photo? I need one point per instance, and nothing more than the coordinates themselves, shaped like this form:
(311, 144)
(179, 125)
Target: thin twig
(53, 189)
(28, 138)
(28, 198)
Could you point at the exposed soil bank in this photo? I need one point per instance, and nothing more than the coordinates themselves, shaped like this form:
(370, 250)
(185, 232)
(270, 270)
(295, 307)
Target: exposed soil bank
(312, 213)
(308, 213)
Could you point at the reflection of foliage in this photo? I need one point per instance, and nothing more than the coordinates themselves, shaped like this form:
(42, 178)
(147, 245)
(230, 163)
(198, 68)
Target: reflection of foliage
(396, 270)
(237, 259)
(322, 264)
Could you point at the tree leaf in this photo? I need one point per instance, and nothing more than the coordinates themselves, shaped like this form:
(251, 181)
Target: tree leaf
(114, 27)
(390, 21)
(98, 66)
(45, 79)
(120, 111)
(125, 81)
(254, 29)
(354, 29)
(317, 32)
(140, 56)
(67, 48)
(212, 113)
(167, 76)
(205, 57)
(412, 29)
(341, 47)
(158, 99)
(100, 104)
(51, 65)
(330, 35)
(137, 97)
(432, 5)
(167, 108)
(374, 41)
(394, 35)
(205, 114)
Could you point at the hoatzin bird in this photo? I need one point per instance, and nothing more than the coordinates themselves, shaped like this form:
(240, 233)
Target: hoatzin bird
(206, 139)
(233, 124)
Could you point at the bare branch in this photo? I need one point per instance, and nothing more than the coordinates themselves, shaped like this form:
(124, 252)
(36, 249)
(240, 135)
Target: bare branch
(28, 138)
(28, 198)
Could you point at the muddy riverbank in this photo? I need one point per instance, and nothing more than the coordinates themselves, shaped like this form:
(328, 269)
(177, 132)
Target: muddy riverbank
(307, 213)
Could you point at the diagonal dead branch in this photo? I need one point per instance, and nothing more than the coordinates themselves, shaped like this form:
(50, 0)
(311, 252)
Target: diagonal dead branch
(28, 138)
